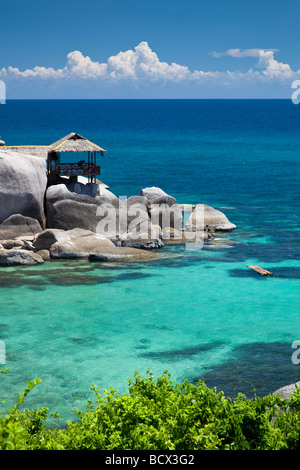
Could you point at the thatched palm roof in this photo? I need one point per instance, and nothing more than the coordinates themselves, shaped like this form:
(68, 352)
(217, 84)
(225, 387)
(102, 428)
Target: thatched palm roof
(74, 143)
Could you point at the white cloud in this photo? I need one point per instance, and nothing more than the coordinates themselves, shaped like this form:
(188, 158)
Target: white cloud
(36, 72)
(123, 65)
(142, 65)
(269, 67)
(83, 67)
(240, 53)
(149, 65)
(272, 68)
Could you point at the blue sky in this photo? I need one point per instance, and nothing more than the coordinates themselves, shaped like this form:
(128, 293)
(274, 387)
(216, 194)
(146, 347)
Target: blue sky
(149, 49)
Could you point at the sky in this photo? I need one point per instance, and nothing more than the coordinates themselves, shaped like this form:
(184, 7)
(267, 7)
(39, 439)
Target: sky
(149, 49)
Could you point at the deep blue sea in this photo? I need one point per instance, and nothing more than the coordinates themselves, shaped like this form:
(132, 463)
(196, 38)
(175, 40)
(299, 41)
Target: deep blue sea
(199, 314)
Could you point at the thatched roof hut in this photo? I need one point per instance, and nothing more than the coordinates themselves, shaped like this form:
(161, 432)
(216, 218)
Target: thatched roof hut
(72, 142)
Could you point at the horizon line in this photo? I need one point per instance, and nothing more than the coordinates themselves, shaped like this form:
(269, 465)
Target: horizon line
(140, 99)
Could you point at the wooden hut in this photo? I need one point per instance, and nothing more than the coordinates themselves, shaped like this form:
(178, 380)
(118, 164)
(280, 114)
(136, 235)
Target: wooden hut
(73, 143)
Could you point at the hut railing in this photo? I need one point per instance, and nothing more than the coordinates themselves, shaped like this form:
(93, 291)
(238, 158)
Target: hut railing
(69, 169)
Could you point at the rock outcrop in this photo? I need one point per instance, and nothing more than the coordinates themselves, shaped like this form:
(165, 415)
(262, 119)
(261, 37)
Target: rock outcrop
(203, 215)
(23, 182)
(18, 225)
(286, 391)
(69, 214)
(19, 256)
(75, 219)
(79, 243)
(155, 195)
(71, 206)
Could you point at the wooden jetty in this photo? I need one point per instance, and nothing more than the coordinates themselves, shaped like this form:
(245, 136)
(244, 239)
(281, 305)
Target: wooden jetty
(261, 271)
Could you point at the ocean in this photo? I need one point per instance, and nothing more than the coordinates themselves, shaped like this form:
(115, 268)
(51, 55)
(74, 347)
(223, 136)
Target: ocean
(200, 314)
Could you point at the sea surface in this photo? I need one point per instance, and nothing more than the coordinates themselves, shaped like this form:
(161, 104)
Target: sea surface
(200, 314)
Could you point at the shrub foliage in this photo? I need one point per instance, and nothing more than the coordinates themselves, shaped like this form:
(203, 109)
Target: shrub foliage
(159, 414)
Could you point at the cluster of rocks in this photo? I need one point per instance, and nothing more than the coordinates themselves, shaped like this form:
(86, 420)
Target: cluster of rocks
(76, 220)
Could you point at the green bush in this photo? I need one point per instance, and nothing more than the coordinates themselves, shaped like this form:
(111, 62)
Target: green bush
(160, 415)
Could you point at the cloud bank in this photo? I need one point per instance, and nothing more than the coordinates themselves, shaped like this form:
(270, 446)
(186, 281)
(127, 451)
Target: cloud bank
(142, 66)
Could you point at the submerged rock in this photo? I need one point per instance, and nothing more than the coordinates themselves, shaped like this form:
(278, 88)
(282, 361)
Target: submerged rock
(124, 254)
(144, 241)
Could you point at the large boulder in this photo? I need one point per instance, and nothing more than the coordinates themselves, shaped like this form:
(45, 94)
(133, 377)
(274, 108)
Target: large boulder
(75, 205)
(68, 214)
(113, 222)
(166, 215)
(91, 193)
(157, 195)
(203, 216)
(79, 244)
(18, 225)
(163, 209)
(107, 197)
(127, 215)
(134, 215)
(17, 256)
(286, 391)
(47, 238)
(23, 181)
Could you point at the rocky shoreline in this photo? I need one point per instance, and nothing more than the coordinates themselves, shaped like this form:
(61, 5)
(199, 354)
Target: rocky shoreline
(73, 220)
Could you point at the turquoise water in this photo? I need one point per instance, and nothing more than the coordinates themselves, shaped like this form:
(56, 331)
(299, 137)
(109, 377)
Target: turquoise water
(198, 314)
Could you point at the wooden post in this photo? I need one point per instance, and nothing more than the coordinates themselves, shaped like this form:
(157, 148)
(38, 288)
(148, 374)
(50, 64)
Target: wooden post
(94, 163)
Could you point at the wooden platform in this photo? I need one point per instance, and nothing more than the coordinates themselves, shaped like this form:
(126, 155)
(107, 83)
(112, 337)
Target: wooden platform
(261, 271)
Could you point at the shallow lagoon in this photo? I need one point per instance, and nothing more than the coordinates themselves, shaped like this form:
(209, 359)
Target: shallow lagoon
(198, 314)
